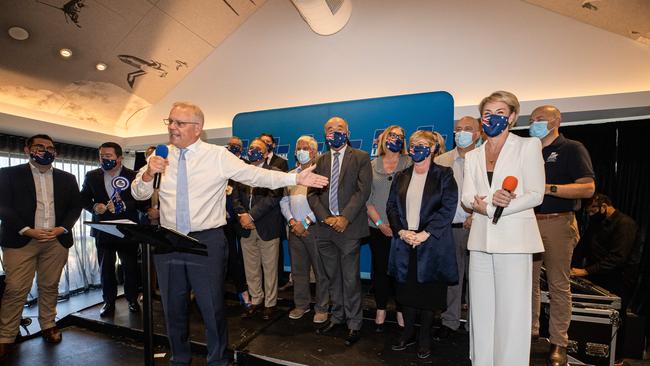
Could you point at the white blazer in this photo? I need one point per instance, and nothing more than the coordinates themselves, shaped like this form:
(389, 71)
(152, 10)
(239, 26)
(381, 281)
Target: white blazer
(516, 231)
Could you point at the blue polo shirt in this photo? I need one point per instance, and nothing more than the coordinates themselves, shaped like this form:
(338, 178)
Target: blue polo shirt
(565, 161)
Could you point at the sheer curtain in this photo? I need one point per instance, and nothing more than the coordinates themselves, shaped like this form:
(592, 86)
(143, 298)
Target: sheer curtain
(82, 270)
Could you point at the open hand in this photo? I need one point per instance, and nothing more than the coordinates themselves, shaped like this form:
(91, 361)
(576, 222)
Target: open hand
(341, 224)
(310, 179)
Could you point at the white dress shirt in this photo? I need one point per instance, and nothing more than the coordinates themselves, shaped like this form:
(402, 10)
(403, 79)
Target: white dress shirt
(208, 169)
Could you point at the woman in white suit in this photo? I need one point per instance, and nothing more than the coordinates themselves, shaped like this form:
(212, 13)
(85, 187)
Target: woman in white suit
(500, 267)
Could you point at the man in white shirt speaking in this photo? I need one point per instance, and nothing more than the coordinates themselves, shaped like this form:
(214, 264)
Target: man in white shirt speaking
(192, 201)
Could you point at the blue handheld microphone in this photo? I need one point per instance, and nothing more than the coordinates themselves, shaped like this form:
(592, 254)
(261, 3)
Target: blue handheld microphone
(162, 151)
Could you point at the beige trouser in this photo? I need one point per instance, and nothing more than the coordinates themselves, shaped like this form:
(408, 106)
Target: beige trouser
(20, 264)
(261, 262)
(560, 235)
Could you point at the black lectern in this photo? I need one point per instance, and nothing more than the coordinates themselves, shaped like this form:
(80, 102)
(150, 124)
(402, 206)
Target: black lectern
(165, 241)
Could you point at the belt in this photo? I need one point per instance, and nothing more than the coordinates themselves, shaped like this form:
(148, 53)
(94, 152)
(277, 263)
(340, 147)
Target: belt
(553, 215)
(457, 226)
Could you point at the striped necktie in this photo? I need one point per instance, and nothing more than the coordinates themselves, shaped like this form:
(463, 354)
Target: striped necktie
(182, 200)
(334, 185)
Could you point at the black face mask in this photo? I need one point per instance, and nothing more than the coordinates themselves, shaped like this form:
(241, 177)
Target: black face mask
(598, 217)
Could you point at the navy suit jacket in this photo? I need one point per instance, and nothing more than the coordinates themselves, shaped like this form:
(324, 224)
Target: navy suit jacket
(265, 209)
(437, 255)
(18, 204)
(93, 191)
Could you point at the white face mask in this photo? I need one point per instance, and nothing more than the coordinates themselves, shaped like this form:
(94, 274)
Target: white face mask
(303, 156)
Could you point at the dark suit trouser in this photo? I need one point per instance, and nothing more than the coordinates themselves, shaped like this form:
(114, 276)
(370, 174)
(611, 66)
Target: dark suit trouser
(235, 272)
(178, 273)
(340, 257)
(108, 247)
(384, 286)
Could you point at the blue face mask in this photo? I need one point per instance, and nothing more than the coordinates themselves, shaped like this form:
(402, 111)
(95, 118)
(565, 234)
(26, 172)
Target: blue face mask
(395, 146)
(336, 139)
(463, 139)
(420, 153)
(538, 129)
(255, 155)
(46, 159)
(494, 125)
(108, 164)
(235, 149)
(303, 156)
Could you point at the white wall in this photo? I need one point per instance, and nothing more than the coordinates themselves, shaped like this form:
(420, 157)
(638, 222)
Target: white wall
(390, 47)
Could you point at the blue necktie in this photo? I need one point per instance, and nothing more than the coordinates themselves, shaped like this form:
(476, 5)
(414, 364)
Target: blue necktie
(334, 185)
(182, 200)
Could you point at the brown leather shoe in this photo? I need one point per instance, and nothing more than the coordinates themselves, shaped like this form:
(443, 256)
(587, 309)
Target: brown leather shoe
(6, 349)
(557, 356)
(250, 311)
(269, 312)
(52, 335)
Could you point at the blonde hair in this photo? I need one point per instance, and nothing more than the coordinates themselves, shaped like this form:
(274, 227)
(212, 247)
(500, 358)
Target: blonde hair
(309, 140)
(196, 111)
(381, 141)
(505, 97)
(432, 138)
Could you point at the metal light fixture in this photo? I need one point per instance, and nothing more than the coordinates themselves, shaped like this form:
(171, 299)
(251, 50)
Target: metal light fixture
(65, 52)
(101, 66)
(18, 33)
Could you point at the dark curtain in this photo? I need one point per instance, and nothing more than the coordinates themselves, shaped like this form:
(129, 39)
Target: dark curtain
(15, 144)
(619, 154)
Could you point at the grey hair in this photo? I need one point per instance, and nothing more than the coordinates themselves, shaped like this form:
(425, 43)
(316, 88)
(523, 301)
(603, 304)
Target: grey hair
(310, 140)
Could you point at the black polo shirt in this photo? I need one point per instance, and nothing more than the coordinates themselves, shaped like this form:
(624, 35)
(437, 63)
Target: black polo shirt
(565, 161)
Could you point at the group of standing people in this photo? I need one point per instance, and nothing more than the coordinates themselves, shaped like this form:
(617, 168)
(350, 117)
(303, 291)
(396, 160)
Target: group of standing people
(422, 208)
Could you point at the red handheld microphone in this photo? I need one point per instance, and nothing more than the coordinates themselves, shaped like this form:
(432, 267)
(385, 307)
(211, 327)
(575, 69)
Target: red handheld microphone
(509, 184)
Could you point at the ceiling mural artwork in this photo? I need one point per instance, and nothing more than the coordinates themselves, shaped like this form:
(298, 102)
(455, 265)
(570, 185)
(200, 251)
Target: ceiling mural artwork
(102, 63)
(70, 10)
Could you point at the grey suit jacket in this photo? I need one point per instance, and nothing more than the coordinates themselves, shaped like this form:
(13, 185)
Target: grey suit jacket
(355, 184)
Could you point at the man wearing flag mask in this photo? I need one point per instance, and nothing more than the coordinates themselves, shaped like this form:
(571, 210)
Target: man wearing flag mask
(106, 194)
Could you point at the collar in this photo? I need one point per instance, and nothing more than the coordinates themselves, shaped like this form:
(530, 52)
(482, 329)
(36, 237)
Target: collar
(559, 140)
(119, 172)
(194, 147)
(34, 168)
(342, 151)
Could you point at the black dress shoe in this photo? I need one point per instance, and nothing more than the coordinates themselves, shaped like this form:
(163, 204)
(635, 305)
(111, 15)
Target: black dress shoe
(424, 352)
(401, 344)
(134, 307)
(443, 333)
(353, 337)
(107, 309)
(379, 328)
(557, 356)
(327, 327)
(250, 311)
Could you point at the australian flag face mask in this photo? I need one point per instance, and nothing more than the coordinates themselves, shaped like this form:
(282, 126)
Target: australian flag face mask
(336, 139)
(494, 125)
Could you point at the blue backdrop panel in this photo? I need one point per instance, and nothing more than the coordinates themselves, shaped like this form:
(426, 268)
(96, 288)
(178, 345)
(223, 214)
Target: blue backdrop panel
(367, 119)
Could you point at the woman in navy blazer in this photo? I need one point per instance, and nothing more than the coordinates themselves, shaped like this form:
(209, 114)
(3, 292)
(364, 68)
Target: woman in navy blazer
(420, 208)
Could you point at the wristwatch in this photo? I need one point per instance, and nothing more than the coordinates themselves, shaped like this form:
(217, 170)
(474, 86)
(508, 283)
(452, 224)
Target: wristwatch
(553, 188)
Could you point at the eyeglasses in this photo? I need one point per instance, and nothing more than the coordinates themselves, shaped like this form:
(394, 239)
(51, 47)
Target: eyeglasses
(179, 124)
(393, 135)
(42, 148)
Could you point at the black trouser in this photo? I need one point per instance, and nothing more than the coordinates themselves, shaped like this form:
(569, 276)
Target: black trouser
(235, 272)
(108, 247)
(384, 285)
(426, 319)
(178, 274)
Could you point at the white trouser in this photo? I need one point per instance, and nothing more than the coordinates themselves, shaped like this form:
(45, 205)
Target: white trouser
(500, 318)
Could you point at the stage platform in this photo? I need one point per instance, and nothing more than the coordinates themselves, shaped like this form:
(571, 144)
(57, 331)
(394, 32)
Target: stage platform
(92, 340)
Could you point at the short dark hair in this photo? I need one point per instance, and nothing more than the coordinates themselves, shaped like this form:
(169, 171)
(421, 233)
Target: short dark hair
(30, 140)
(267, 135)
(599, 199)
(114, 146)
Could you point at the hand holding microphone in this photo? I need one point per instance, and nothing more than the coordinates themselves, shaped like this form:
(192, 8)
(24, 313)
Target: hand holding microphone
(502, 197)
(156, 164)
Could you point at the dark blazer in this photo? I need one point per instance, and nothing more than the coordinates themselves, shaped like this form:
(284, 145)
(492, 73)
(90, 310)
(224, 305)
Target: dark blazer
(93, 191)
(437, 255)
(279, 162)
(18, 204)
(355, 184)
(265, 208)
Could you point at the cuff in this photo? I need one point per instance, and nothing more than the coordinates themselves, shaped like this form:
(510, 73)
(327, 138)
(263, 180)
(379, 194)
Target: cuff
(490, 210)
(22, 231)
(65, 231)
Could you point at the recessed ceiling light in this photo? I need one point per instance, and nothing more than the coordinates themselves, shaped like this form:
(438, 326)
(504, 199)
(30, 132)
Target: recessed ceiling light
(65, 52)
(101, 66)
(18, 33)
